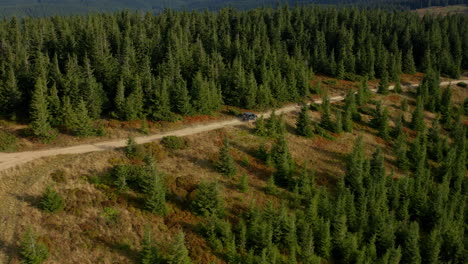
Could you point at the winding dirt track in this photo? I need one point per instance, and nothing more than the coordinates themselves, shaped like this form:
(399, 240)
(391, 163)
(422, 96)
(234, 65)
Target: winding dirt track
(11, 160)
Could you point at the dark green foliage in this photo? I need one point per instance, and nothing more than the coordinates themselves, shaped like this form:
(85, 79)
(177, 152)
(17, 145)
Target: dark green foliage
(144, 127)
(260, 127)
(207, 200)
(154, 188)
(462, 84)
(380, 121)
(131, 148)
(51, 201)
(178, 252)
(271, 188)
(383, 84)
(326, 119)
(148, 252)
(397, 88)
(404, 105)
(339, 123)
(40, 125)
(173, 142)
(243, 183)
(8, 141)
(304, 124)
(417, 119)
(32, 251)
(123, 69)
(411, 252)
(226, 164)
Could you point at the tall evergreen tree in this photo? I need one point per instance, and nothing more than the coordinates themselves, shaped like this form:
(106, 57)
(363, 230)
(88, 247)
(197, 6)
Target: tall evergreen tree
(39, 115)
(178, 252)
(303, 124)
(226, 164)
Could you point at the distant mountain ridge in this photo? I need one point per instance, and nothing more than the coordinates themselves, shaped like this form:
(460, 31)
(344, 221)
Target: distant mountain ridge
(65, 7)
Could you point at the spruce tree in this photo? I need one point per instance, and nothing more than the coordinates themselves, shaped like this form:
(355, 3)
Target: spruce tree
(68, 119)
(226, 164)
(154, 189)
(383, 85)
(83, 127)
(10, 95)
(148, 252)
(178, 252)
(244, 183)
(408, 62)
(417, 119)
(339, 122)
(326, 120)
(54, 105)
(303, 124)
(39, 114)
(51, 201)
(446, 106)
(397, 88)
(411, 252)
(207, 200)
(260, 127)
(404, 105)
(383, 125)
(32, 251)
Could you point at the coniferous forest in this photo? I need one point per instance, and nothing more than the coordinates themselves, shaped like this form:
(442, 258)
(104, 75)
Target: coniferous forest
(60, 73)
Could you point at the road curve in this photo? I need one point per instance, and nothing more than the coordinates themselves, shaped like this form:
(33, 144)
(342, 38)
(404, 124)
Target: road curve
(11, 160)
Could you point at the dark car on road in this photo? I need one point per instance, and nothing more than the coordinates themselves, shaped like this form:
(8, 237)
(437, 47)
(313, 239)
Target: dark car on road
(248, 116)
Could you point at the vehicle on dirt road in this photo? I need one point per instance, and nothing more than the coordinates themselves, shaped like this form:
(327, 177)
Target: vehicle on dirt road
(248, 116)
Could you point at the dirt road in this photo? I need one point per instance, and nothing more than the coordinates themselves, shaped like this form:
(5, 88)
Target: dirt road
(11, 160)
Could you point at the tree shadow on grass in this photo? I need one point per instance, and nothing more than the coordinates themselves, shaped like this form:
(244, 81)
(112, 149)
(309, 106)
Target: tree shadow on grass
(31, 200)
(202, 163)
(121, 248)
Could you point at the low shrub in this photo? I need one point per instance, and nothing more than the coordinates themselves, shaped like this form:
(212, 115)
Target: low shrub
(462, 84)
(173, 142)
(8, 141)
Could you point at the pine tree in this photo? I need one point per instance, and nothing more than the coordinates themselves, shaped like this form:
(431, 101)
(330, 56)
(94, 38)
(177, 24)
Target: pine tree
(323, 238)
(119, 100)
(411, 253)
(10, 95)
(154, 189)
(244, 183)
(417, 120)
(404, 105)
(446, 106)
(260, 127)
(408, 62)
(339, 123)
(326, 121)
(271, 188)
(363, 93)
(398, 89)
(148, 252)
(226, 164)
(32, 251)
(144, 127)
(303, 125)
(39, 115)
(83, 127)
(51, 201)
(68, 119)
(54, 105)
(398, 129)
(131, 147)
(383, 125)
(383, 85)
(207, 200)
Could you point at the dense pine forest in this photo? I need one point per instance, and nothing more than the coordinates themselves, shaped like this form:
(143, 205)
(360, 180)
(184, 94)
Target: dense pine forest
(63, 7)
(273, 192)
(60, 73)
